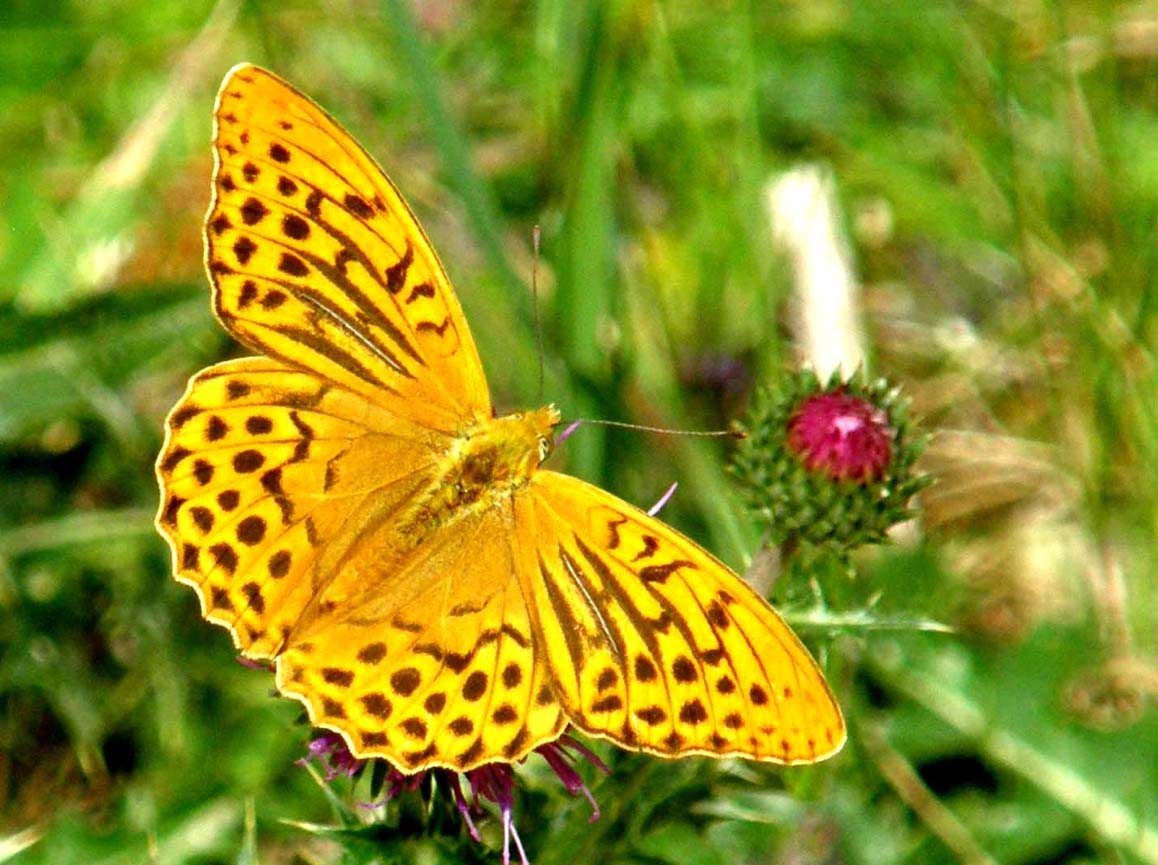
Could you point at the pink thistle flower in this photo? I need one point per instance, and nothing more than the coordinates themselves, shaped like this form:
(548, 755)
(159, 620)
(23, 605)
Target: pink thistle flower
(830, 464)
(842, 436)
(493, 782)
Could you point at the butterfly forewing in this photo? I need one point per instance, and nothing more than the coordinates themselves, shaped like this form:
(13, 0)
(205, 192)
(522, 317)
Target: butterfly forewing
(656, 645)
(316, 259)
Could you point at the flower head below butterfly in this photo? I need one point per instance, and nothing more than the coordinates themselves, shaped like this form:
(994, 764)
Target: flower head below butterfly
(494, 782)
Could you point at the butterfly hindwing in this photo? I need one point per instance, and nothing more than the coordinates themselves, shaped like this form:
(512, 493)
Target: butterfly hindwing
(656, 645)
(264, 472)
(428, 660)
(316, 259)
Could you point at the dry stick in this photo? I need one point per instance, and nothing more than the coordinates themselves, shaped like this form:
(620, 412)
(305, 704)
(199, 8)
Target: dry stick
(134, 153)
(907, 784)
(805, 219)
(1106, 815)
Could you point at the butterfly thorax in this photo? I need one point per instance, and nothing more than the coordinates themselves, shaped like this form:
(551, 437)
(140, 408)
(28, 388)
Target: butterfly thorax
(484, 466)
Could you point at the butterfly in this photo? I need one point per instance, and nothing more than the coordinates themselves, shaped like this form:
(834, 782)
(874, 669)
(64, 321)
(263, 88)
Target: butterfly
(347, 504)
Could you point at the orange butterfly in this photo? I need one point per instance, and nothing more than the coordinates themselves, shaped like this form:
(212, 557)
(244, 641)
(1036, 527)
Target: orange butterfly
(348, 505)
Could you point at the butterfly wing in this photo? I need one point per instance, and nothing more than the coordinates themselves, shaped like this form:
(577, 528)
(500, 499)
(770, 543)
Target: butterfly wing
(655, 644)
(427, 660)
(317, 261)
(268, 475)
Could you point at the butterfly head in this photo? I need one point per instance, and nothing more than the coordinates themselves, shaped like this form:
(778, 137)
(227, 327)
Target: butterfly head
(531, 436)
(541, 424)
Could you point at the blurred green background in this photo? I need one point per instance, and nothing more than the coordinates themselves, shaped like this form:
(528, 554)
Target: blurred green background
(996, 170)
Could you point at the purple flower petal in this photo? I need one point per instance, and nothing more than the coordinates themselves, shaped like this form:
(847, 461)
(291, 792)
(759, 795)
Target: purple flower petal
(567, 431)
(461, 803)
(663, 500)
(330, 750)
(562, 763)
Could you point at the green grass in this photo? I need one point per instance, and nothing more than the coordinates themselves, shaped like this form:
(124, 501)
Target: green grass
(1011, 294)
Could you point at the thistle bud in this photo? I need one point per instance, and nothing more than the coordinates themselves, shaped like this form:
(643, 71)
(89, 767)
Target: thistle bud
(829, 463)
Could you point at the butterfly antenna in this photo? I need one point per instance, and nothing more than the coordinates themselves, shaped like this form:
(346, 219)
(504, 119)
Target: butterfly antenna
(711, 434)
(536, 235)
